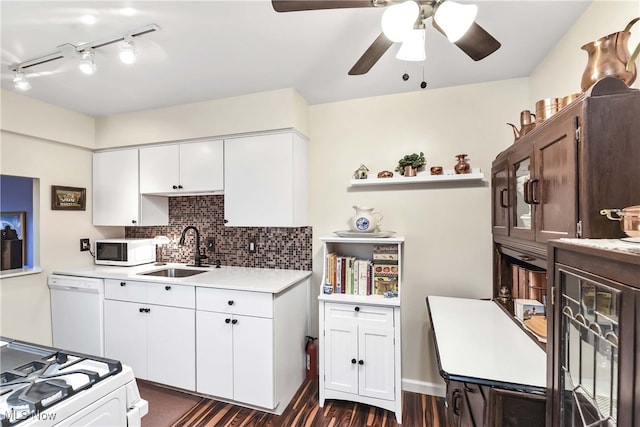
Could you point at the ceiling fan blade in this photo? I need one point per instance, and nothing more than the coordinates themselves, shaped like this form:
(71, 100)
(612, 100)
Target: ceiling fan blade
(298, 5)
(371, 55)
(477, 43)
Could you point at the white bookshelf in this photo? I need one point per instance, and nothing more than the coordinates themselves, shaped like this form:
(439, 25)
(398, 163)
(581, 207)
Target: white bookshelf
(421, 178)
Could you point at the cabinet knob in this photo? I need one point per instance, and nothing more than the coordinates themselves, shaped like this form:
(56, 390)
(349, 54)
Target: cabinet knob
(234, 321)
(147, 310)
(230, 302)
(353, 361)
(133, 221)
(175, 187)
(360, 362)
(357, 309)
(179, 187)
(123, 283)
(141, 310)
(226, 221)
(227, 320)
(167, 288)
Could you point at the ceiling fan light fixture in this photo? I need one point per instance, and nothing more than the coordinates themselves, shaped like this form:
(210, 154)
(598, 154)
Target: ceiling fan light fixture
(127, 53)
(398, 20)
(455, 18)
(412, 48)
(20, 82)
(87, 63)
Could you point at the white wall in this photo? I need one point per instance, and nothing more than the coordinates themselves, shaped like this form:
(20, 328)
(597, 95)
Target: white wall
(447, 227)
(560, 73)
(276, 109)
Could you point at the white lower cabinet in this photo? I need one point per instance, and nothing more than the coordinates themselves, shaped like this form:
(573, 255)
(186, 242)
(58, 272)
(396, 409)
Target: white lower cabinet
(359, 360)
(250, 345)
(151, 327)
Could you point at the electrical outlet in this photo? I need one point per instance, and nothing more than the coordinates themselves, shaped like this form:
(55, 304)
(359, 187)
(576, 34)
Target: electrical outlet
(211, 244)
(85, 245)
(252, 245)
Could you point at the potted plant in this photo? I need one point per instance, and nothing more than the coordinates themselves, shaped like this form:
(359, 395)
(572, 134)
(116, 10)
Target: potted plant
(409, 164)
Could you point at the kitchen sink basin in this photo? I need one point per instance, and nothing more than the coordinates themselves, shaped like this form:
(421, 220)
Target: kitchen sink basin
(173, 272)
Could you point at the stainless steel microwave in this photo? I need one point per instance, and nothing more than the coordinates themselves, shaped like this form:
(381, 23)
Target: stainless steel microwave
(125, 252)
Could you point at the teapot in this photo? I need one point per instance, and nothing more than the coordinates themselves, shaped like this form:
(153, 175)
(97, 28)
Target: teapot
(609, 56)
(365, 220)
(527, 123)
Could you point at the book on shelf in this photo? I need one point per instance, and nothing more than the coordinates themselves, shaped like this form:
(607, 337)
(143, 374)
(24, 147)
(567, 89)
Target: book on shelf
(349, 275)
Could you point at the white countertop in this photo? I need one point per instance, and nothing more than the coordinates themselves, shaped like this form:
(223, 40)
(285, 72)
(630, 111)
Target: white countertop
(240, 278)
(477, 340)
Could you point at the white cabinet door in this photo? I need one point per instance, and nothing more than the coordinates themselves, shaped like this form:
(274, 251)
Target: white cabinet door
(159, 169)
(202, 166)
(214, 354)
(341, 356)
(115, 187)
(265, 180)
(377, 372)
(253, 361)
(171, 346)
(125, 335)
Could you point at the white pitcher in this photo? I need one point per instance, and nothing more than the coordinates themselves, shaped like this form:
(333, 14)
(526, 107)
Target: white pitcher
(365, 220)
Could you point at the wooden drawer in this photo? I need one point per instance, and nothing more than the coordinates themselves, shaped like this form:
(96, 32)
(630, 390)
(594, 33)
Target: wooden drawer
(371, 315)
(125, 290)
(171, 295)
(258, 304)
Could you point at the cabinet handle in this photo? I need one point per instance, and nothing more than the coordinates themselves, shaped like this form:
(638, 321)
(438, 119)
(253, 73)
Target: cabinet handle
(123, 283)
(179, 187)
(360, 362)
(147, 310)
(141, 310)
(133, 221)
(225, 221)
(357, 309)
(502, 193)
(167, 288)
(525, 192)
(175, 187)
(234, 321)
(455, 405)
(353, 361)
(227, 320)
(230, 302)
(535, 190)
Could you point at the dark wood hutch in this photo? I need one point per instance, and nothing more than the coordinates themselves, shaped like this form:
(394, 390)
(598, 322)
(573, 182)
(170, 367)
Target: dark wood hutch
(552, 184)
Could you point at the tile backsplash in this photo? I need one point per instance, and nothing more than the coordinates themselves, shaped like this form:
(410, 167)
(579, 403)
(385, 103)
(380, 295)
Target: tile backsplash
(276, 247)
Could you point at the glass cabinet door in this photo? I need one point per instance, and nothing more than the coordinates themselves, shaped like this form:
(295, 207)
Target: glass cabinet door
(589, 331)
(522, 208)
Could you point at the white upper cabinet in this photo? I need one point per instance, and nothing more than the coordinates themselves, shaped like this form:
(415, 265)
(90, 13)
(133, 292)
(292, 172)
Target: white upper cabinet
(116, 200)
(182, 169)
(265, 180)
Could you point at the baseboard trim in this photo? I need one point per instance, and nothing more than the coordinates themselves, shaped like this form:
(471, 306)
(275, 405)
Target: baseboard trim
(423, 387)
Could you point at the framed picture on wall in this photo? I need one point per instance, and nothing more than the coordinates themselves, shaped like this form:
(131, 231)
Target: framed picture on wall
(68, 198)
(17, 222)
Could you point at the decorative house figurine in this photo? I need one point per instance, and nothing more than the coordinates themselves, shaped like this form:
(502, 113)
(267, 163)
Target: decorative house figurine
(361, 172)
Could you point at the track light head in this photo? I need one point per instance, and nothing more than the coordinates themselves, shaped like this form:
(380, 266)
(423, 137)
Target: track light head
(127, 51)
(87, 63)
(20, 82)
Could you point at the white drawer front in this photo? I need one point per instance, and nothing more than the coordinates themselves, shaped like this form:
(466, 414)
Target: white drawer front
(171, 295)
(365, 314)
(259, 304)
(125, 290)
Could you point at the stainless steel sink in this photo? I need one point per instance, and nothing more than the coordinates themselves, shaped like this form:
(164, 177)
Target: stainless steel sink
(173, 272)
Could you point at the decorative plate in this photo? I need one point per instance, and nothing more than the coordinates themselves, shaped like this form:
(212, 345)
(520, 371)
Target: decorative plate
(378, 234)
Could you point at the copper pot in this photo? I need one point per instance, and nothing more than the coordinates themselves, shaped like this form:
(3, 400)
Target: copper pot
(546, 108)
(629, 219)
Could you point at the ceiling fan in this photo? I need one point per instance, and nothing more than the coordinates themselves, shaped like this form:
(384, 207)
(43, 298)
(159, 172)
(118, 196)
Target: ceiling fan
(473, 40)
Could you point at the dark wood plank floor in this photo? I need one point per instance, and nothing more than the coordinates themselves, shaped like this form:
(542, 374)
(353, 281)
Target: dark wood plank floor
(303, 411)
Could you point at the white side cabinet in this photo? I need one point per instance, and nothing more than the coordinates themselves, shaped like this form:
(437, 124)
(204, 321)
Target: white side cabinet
(360, 334)
(185, 168)
(265, 179)
(250, 345)
(116, 200)
(151, 327)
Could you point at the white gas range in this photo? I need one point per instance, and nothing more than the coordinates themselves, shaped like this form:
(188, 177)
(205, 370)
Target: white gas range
(43, 386)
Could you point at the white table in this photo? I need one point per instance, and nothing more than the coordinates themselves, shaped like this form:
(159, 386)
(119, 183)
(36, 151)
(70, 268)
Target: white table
(477, 342)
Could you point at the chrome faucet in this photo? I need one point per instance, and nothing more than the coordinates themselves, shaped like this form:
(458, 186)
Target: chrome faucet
(198, 257)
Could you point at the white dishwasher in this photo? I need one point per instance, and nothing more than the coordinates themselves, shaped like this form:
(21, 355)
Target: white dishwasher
(77, 313)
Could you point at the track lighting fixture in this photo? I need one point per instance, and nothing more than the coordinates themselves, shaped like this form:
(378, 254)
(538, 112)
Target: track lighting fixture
(128, 53)
(86, 53)
(20, 82)
(87, 63)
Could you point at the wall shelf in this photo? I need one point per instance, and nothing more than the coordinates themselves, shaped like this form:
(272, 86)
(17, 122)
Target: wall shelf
(421, 178)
